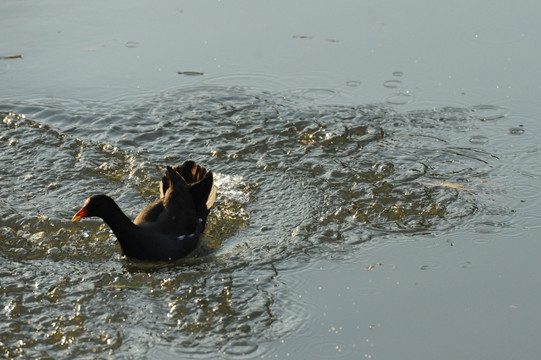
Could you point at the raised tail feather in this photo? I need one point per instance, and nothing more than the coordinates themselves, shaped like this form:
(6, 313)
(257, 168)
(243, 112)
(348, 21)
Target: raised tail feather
(200, 180)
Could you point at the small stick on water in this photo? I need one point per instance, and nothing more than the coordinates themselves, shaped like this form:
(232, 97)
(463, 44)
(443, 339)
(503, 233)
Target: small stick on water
(190, 73)
(18, 56)
(373, 266)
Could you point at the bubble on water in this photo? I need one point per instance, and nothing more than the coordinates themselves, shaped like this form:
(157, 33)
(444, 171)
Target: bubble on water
(478, 139)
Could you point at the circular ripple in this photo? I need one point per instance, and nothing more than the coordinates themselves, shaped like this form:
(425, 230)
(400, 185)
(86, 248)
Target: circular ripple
(516, 131)
(478, 139)
(431, 265)
(402, 98)
(318, 93)
(132, 44)
(489, 112)
(315, 177)
(392, 84)
(240, 348)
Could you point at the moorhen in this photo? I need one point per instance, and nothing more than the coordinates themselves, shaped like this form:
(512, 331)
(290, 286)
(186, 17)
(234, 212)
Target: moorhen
(167, 229)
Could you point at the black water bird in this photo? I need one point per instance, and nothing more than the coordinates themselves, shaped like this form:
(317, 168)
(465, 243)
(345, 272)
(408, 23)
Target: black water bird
(167, 229)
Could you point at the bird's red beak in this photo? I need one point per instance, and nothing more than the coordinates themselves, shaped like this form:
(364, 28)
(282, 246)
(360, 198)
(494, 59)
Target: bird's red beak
(81, 213)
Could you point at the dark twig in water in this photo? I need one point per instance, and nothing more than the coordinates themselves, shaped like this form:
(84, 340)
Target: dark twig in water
(18, 56)
(190, 73)
(304, 37)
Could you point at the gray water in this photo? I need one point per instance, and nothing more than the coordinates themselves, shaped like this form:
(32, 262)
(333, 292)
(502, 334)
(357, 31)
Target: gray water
(377, 168)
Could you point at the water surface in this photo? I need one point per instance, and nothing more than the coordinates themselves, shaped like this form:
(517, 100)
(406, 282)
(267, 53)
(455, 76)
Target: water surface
(378, 182)
(299, 183)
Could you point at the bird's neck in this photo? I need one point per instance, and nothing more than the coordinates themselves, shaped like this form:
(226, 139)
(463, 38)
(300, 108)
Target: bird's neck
(119, 223)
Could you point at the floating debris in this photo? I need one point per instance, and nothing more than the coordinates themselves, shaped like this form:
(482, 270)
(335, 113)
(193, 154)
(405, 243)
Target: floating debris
(450, 185)
(302, 37)
(18, 56)
(190, 73)
(373, 266)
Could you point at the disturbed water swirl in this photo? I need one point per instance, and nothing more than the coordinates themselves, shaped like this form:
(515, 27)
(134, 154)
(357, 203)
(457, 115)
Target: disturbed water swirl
(296, 182)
